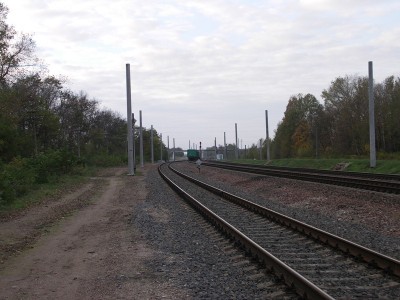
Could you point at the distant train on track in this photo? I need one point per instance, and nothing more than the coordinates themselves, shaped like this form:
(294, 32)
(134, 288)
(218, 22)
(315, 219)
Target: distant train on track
(193, 154)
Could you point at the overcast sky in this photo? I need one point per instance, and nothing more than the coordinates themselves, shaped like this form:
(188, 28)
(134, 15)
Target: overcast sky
(199, 67)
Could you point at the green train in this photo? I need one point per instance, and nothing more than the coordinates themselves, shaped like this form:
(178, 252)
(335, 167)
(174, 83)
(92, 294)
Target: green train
(193, 154)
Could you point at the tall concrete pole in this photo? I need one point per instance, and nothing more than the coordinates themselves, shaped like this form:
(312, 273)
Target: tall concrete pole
(236, 143)
(189, 144)
(215, 147)
(161, 146)
(129, 116)
(167, 147)
(372, 149)
(134, 142)
(225, 156)
(316, 142)
(267, 134)
(141, 139)
(152, 144)
(173, 151)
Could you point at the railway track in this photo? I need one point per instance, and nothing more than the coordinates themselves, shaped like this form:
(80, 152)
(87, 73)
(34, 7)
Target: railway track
(385, 183)
(317, 264)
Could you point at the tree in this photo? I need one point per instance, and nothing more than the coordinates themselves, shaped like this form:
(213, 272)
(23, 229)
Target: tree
(296, 133)
(27, 110)
(37, 118)
(14, 50)
(346, 104)
(108, 133)
(76, 113)
(387, 111)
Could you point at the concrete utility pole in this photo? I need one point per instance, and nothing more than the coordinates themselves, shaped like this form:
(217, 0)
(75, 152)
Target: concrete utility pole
(215, 145)
(372, 149)
(134, 144)
(236, 143)
(129, 116)
(316, 142)
(141, 139)
(161, 145)
(225, 156)
(173, 151)
(167, 147)
(152, 144)
(267, 134)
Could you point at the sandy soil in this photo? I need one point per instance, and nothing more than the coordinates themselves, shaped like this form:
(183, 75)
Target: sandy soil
(80, 246)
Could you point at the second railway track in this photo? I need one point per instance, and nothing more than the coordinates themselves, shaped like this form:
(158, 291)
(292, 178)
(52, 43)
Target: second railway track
(314, 269)
(374, 182)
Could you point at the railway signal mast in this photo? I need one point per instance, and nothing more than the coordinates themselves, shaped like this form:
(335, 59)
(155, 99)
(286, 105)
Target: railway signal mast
(200, 150)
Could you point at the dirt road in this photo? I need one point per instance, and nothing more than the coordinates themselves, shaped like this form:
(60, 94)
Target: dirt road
(79, 246)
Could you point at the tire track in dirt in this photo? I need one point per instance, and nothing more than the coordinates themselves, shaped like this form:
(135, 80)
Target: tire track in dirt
(95, 253)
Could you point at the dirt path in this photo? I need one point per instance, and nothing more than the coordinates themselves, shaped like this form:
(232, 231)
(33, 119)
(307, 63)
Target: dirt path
(90, 254)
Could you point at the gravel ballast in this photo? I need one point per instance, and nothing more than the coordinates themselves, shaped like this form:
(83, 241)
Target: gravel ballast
(192, 258)
(368, 218)
(189, 253)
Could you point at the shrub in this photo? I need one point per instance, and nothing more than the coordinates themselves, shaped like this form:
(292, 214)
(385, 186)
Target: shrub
(52, 164)
(16, 179)
(105, 160)
(22, 174)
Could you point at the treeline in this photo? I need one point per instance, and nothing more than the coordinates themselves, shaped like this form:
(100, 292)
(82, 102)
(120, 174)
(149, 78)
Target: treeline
(38, 115)
(340, 126)
(47, 130)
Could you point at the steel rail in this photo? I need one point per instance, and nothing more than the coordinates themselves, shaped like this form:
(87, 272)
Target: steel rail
(370, 256)
(303, 286)
(360, 183)
(382, 176)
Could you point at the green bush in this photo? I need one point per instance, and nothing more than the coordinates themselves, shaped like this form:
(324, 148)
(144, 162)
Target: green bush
(52, 164)
(16, 179)
(388, 156)
(7, 192)
(21, 175)
(105, 160)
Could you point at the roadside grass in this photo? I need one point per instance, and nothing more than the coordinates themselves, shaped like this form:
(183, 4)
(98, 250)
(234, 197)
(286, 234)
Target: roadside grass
(40, 192)
(44, 191)
(25, 181)
(355, 165)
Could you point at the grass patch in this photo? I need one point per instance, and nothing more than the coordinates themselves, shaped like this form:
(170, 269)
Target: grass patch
(40, 192)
